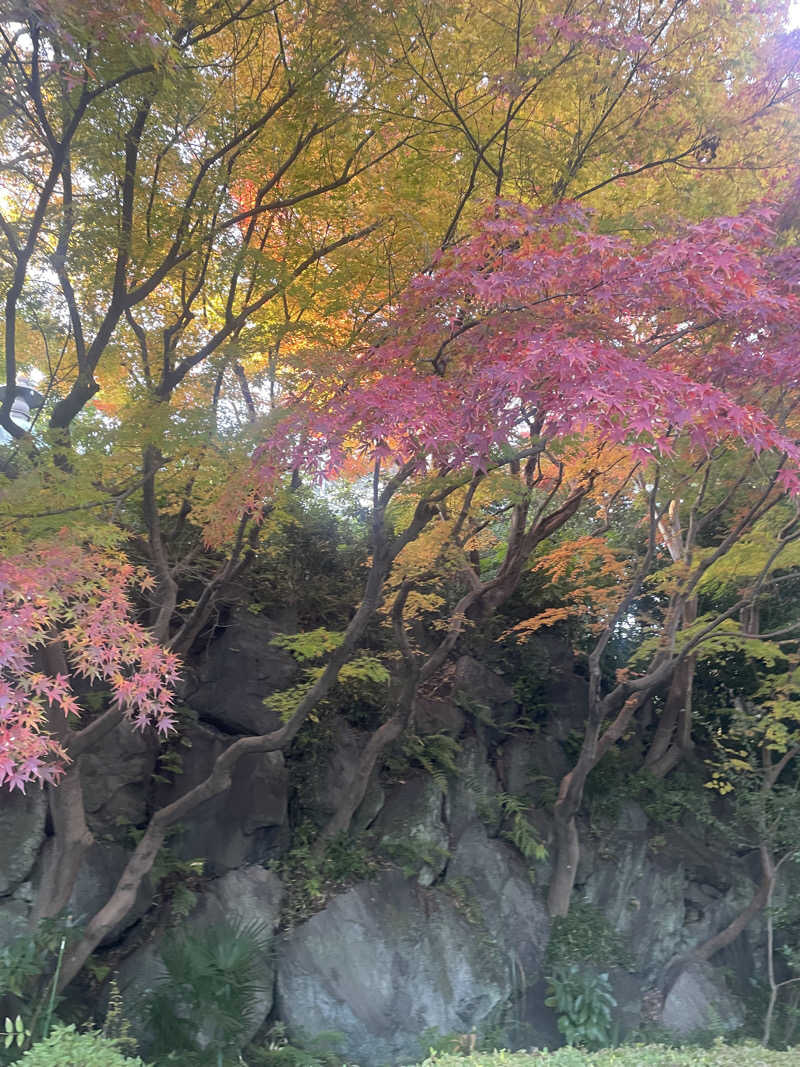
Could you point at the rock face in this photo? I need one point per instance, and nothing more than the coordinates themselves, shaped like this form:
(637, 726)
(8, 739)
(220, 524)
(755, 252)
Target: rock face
(21, 835)
(699, 1001)
(245, 824)
(237, 671)
(411, 829)
(97, 878)
(483, 691)
(451, 936)
(326, 788)
(250, 896)
(664, 900)
(390, 959)
(115, 777)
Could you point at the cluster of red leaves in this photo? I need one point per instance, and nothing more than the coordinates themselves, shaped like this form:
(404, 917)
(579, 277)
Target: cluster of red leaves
(540, 316)
(130, 23)
(78, 596)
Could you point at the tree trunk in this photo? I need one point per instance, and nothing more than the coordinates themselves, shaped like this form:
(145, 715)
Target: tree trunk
(71, 839)
(66, 849)
(673, 738)
(339, 823)
(566, 842)
(729, 934)
(567, 854)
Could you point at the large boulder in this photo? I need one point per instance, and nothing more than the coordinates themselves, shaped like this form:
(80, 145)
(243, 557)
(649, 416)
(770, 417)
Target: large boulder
(665, 893)
(433, 715)
(492, 876)
(97, 878)
(388, 960)
(13, 920)
(472, 791)
(22, 818)
(330, 778)
(699, 1001)
(250, 897)
(484, 693)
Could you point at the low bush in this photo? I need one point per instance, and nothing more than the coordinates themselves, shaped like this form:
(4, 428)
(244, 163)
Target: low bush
(720, 1055)
(66, 1047)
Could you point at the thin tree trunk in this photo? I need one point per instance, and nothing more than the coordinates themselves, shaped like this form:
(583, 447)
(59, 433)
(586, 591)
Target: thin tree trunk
(774, 987)
(673, 738)
(71, 838)
(66, 849)
(339, 823)
(729, 934)
(566, 842)
(567, 855)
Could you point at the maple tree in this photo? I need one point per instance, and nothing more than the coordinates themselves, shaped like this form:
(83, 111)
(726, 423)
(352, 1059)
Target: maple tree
(80, 594)
(530, 376)
(220, 228)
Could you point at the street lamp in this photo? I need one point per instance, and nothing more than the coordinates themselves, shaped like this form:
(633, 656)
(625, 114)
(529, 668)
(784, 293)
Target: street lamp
(26, 401)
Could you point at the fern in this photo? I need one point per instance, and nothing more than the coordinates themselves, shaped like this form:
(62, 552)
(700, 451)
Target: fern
(512, 813)
(520, 833)
(435, 753)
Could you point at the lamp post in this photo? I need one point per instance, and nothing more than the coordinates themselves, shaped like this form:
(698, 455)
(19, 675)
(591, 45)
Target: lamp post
(26, 401)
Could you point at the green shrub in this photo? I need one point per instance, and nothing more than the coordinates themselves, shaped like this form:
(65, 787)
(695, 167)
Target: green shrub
(628, 1056)
(584, 935)
(584, 1003)
(65, 1047)
(207, 1000)
(309, 879)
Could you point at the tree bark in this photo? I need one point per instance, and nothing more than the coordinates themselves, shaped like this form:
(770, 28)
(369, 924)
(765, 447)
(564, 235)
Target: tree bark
(339, 823)
(566, 841)
(66, 849)
(71, 837)
(673, 737)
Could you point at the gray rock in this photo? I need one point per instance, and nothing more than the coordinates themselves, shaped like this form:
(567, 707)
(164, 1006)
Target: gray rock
(328, 787)
(514, 916)
(370, 807)
(433, 716)
(651, 895)
(388, 960)
(627, 991)
(641, 896)
(21, 835)
(97, 878)
(137, 976)
(13, 920)
(533, 768)
(245, 824)
(482, 692)
(563, 692)
(698, 1000)
(470, 792)
(237, 671)
(411, 830)
(251, 895)
(115, 778)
